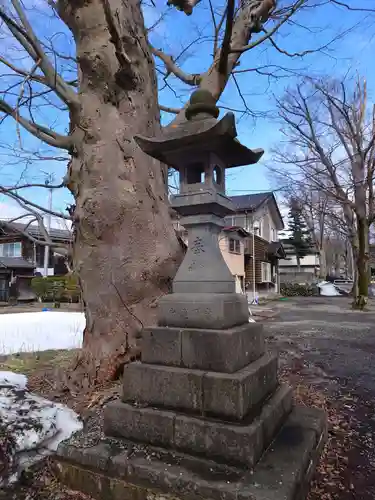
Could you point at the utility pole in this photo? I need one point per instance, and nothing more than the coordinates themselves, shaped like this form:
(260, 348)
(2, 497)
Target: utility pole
(48, 182)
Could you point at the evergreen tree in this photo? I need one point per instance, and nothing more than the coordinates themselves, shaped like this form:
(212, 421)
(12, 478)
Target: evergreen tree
(300, 237)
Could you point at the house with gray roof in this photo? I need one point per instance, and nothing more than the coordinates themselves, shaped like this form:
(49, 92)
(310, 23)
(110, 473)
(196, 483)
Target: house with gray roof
(22, 256)
(259, 215)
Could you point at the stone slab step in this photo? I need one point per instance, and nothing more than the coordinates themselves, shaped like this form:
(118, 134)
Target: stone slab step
(203, 349)
(233, 443)
(224, 395)
(115, 469)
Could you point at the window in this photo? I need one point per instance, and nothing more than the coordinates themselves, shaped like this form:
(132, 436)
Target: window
(273, 234)
(258, 227)
(11, 249)
(266, 272)
(234, 245)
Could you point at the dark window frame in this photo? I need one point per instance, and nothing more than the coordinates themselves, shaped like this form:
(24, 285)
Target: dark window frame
(234, 246)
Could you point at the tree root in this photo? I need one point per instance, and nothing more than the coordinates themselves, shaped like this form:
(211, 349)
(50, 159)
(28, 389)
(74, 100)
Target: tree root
(360, 302)
(87, 372)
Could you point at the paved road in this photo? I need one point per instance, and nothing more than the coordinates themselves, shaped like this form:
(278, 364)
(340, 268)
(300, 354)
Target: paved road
(339, 344)
(339, 340)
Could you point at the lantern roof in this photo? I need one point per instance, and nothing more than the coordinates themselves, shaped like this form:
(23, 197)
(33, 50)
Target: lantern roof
(201, 133)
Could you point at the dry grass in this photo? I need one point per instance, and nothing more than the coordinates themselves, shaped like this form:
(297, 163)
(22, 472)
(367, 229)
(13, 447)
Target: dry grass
(36, 362)
(5, 308)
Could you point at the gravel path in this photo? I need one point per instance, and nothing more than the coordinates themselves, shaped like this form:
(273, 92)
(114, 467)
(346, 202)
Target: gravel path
(337, 345)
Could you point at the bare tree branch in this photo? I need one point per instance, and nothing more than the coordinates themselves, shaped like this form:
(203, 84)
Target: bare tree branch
(225, 47)
(268, 34)
(30, 205)
(45, 134)
(330, 123)
(251, 15)
(27, 38)
(349, 7)
(168, 109)
(171, 67)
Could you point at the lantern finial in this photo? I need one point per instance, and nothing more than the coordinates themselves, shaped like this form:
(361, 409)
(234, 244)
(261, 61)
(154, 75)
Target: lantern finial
(202, 103)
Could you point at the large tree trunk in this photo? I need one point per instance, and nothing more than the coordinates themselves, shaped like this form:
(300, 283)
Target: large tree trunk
(125, 251)
(298, 258)
(322, 264)
(362, 264)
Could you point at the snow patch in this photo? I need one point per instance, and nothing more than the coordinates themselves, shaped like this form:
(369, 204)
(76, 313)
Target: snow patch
(11, 379)
(31, 427)
(40, 331)
(328, 289)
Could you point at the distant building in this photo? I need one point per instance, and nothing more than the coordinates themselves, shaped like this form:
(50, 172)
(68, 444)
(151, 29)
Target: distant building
(232, 246)
(260, 216)
(288, 268)
(21, 257)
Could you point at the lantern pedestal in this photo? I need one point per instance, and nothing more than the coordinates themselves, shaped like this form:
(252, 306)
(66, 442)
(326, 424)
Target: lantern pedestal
(203, 416)
(183, 433)
(203, 310)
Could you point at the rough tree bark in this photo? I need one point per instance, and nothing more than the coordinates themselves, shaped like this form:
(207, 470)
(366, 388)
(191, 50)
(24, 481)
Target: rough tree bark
(125, 249)
(322, 264)
(362, 263)
(298, 258)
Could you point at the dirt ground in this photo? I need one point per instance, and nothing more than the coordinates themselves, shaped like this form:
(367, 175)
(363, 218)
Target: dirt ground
(327, 352)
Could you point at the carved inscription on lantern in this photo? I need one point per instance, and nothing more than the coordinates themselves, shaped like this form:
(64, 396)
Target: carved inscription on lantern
(197, 246)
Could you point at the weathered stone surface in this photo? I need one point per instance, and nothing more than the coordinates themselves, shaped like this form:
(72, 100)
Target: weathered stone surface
(136, 473)
(229, 395)
(203, 310)
(162, 346)
(238, 445)
(235, 444)
(222, 350)
(232, 443)
(286, 469)
(141, 424)
(234, 395)
(163, 386)
(204, 349)
(204, 269)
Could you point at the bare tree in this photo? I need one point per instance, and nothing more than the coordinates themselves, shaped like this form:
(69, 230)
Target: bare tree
(125, 249)
(330, 137)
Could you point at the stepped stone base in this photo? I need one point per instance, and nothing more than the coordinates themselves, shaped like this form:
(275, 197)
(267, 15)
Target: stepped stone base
(226, 395)
(239, 444)
(116, 469)
(203, 349)
(204, 418)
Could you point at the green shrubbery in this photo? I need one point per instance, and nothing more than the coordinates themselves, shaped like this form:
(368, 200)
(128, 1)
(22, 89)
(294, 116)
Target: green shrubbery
(298, 290)
(57, 288)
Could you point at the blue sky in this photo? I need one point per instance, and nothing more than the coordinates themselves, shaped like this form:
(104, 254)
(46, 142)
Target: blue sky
(351, 53)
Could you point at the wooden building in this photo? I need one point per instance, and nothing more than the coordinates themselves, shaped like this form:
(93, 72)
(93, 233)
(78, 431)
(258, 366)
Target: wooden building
(21, 257)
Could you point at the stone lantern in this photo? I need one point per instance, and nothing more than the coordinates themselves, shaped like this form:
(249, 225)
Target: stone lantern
(203, 416)
(201, 149)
